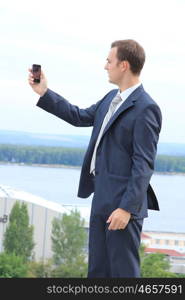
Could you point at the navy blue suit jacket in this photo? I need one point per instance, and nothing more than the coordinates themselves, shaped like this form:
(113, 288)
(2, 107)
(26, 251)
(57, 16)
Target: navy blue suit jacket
(125, 155)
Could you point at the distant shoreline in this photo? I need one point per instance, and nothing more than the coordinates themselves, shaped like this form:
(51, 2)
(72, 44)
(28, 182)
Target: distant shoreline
(74, 167)
(41, 165)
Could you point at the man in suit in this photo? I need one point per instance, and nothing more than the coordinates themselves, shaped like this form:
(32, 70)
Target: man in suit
(119, 161)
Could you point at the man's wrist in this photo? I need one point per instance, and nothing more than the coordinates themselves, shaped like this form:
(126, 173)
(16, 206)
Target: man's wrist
(43, 93)
(124, 210)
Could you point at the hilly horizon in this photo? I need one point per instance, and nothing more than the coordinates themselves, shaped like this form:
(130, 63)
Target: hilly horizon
(77, 141)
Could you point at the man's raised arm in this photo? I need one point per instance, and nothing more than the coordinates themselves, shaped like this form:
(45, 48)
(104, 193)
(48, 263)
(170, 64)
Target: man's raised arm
(59, 106)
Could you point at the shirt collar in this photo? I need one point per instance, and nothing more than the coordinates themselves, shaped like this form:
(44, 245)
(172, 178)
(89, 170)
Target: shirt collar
(125, 94)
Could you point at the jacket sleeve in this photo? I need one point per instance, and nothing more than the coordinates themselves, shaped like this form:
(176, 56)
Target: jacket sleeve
(60, 107)
(145, 138)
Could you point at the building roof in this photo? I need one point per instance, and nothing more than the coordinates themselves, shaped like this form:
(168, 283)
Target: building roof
(165, 234)
(145, 236)
(169, 252)
(13, 193)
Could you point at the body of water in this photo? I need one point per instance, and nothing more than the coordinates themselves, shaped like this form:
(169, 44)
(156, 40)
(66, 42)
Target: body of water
(61, 185)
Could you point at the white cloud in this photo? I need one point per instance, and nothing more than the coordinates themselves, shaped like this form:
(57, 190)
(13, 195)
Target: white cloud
(71, 40)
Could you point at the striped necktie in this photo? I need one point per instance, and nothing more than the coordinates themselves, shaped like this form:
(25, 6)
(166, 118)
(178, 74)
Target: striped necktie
(116, 100)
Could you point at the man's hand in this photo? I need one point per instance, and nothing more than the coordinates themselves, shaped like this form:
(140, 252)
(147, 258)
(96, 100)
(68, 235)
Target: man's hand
(39, 88)
(118, 219)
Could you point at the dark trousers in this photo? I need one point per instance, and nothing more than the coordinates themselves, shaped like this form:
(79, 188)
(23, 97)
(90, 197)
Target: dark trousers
(113, 253)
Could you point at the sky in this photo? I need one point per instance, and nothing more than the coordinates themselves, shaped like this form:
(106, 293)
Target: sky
(71, 40)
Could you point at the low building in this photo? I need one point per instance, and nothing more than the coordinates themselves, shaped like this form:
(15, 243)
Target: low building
(41, 213)
(169, 243)
(165, 240)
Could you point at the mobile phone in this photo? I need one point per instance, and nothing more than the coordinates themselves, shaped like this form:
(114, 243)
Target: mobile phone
(36, 71)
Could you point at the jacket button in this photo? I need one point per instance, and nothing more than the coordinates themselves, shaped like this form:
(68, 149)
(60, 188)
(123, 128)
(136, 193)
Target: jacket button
(96, 172)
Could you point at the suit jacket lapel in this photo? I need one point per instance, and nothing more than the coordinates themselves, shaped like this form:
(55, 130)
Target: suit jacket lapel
(128, 103)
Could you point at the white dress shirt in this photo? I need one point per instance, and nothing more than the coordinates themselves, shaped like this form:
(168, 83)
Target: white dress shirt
(125, 94)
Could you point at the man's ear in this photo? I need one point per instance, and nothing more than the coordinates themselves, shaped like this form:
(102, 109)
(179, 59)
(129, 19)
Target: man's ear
(124, 65)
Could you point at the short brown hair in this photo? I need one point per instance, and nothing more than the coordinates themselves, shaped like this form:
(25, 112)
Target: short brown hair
(132, 52)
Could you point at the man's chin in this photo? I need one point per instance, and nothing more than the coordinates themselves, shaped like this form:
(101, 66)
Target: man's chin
(111, 81)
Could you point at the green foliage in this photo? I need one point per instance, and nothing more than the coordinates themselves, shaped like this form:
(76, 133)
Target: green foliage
(167, 163)
(73, 157)
(180, 275)
(12, 266)
(74, 269)
(40, 269)
(41, 155)
(155, 265)
(68, 244)
(18, 237)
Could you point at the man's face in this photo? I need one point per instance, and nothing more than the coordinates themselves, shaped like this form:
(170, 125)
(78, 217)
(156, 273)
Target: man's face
(114, 67)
